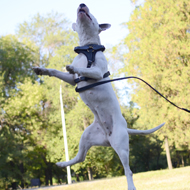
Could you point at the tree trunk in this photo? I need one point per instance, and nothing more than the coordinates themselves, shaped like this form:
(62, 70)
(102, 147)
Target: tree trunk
(46, 177)
(90, 174)
(182, 161)
(168, 154)
(6, 186)
(59, 181)
(22, 171)
(157, 161)
(50, 174)
(77, 176)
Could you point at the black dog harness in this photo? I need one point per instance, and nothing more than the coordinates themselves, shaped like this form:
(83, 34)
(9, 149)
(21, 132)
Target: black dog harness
(89, 51)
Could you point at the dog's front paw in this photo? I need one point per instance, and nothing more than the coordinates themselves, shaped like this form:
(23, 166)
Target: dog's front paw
(71, 69)
(61, 164)
(40, 71)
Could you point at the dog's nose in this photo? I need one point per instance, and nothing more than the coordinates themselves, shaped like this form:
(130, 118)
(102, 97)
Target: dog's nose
(82, 5)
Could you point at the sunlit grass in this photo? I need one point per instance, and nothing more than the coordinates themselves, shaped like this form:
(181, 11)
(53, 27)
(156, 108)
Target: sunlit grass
(176, 179)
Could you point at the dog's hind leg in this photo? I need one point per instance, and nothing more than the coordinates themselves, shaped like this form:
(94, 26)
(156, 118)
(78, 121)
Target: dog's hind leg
(119, 141)
(93, 136)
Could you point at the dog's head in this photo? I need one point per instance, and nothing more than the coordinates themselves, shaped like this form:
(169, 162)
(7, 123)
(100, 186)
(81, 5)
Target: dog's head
(87, 26)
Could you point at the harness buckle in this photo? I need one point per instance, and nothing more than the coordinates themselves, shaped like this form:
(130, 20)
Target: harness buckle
(79, 79)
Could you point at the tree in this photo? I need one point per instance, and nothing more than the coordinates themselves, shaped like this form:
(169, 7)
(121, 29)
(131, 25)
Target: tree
(158, 52)
(16, 60)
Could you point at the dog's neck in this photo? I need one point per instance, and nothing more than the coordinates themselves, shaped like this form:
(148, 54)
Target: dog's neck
(86, 38)
(87, 34)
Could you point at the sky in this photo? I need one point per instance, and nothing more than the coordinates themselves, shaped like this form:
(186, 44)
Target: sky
(15, 12)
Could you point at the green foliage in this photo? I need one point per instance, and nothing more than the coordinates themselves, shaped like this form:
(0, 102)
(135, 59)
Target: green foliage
(15, 67)
(16, 60)
(146, 153)
(158, 51)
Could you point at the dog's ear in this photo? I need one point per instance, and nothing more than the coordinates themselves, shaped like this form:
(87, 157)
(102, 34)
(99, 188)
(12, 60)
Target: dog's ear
(104, 27)
(74, 26)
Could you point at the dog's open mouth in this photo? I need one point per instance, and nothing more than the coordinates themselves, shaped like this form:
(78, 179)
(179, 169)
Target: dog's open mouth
(83, 11)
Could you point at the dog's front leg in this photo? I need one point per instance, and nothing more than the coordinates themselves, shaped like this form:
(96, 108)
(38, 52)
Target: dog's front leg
(93, 72)
(65, 76)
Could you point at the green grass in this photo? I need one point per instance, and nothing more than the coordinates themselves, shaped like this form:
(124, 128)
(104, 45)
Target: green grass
(176, 179)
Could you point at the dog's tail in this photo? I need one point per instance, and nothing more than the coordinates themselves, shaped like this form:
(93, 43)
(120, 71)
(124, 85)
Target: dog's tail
(143, 132)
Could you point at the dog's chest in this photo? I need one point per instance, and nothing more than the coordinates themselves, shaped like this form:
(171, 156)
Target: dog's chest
(80, 61)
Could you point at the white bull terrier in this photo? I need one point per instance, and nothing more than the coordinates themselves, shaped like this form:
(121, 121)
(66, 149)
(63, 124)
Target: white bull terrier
(109, 127)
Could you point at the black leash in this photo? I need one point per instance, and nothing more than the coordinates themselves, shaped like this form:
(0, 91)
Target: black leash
(112, 80)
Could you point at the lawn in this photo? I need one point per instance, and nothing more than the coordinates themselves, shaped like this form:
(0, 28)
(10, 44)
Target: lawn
(176, 179)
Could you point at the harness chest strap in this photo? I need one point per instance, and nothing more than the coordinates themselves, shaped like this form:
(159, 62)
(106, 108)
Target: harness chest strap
(89, 51)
